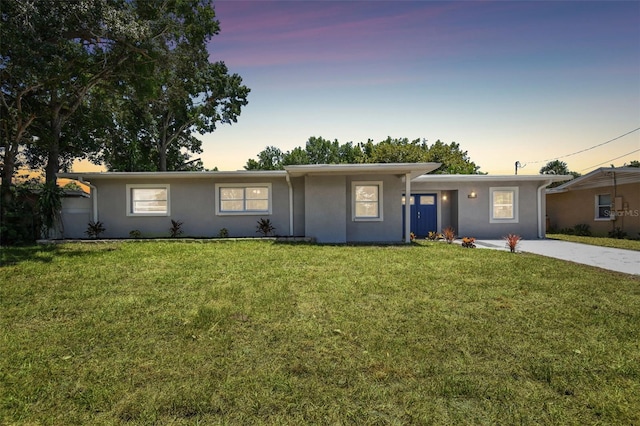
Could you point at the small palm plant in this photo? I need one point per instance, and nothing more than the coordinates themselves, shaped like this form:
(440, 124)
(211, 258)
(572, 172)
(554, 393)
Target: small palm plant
(265, 227)
(176, 228)
(94, 229)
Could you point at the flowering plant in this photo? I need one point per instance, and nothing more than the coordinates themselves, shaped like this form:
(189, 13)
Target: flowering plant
(469, 242)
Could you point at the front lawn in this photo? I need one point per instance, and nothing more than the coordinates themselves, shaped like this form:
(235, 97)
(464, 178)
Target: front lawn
(599, 241)
(264, 333)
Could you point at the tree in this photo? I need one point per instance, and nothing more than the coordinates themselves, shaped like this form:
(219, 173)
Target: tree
(454, 160)
(64, 52)
(557, 167)
(268, 159)
(322, 151)
(634, 163)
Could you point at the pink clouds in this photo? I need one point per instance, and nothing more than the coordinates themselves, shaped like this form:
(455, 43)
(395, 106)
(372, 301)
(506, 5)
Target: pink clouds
(287, 33)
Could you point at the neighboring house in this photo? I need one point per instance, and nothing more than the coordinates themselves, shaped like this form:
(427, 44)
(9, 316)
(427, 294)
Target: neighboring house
(337, 203)
(605, 199)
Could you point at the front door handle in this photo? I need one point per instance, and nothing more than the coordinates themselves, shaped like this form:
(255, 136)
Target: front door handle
(418, 215)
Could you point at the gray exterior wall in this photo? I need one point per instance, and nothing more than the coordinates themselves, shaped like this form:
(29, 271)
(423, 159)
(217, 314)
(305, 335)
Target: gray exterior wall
(328, 210)
(76, 215)
(192, 201)
(473, 214)
(325, 207)
(390, 228)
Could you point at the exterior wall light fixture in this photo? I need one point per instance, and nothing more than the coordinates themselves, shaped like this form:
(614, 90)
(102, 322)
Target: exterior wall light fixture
(472, 195)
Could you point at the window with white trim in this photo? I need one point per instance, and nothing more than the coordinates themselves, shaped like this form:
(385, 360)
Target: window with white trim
(603, 207)
(503, 204)
(148, 200)
(243, 199)
(366, 201)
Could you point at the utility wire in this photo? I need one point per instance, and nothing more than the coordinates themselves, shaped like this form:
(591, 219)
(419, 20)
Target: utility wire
(613, 159)
(586, 149)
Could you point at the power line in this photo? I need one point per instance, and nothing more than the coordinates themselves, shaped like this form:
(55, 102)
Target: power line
(586, 149)
(613, 159)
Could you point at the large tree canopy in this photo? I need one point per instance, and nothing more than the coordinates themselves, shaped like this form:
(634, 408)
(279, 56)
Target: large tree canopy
(74, 74)
(322, 151)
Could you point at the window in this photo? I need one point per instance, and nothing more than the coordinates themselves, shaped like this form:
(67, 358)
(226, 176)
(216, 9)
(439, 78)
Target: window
(367, 201)
(603, 207)
(243, 199)
(148, 200)
(503, 204)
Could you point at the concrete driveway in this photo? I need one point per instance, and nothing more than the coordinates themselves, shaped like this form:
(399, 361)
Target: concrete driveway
(627, 261)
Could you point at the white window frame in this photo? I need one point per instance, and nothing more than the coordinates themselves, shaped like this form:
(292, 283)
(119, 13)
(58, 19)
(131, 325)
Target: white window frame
(131, 187)
(597, 204)
(380, 216)
(245, 212)
(516, 204)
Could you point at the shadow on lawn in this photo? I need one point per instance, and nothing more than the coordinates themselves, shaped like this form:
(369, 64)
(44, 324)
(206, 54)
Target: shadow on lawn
(43, 253)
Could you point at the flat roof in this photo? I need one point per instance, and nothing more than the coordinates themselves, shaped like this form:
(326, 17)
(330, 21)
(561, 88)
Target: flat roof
(490, 178)
(414, 169)
(179, 175)
(604, 176)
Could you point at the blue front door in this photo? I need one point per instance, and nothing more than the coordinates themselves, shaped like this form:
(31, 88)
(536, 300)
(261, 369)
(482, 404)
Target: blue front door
(424, 214)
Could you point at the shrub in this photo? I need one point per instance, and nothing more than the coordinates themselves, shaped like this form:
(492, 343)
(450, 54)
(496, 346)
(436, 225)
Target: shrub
(449, 234)
(176, 228)
(265, 227)
(135, 234)
(223, 233)
(50, 207)
(433, 235)
(512, 242)
(469, 242)
(582, 230)
(94, 229)
(617, 232)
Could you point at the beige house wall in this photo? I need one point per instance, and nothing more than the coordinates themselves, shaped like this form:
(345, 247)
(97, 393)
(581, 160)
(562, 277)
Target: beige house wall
(567, 209)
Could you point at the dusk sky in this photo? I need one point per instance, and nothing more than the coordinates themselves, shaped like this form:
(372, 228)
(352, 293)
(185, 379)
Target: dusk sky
(509, 81)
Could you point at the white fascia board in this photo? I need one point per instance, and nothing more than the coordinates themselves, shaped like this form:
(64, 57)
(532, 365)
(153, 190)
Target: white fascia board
(492, 178)
(415, 169)
(175, 175)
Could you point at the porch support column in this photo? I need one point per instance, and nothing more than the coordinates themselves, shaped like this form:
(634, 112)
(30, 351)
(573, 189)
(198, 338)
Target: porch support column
(407, 208)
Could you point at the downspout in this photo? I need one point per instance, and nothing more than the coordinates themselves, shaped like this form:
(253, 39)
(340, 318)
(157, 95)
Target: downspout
(407, 208)
(290, 205)
(541, 212)
(94, 199)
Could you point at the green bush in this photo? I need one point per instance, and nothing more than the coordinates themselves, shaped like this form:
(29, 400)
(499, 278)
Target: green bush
(581, 230)
(617, 232)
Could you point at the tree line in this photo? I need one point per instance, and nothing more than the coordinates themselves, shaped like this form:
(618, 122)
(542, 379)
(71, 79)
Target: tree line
(318, 150)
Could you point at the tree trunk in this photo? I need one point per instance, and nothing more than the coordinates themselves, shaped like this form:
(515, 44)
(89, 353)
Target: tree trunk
(53, 159)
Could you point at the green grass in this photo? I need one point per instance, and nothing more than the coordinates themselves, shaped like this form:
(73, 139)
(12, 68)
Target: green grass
(599, 241)
(265, 333)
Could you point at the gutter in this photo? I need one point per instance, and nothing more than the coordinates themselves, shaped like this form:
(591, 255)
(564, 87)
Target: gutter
(541, 212)
(94, 199)
(290, 205)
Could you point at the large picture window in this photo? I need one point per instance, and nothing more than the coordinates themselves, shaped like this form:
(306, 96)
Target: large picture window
(243, 199)
(367, 201)
(603, 207)
(503, 203)
(148, 200)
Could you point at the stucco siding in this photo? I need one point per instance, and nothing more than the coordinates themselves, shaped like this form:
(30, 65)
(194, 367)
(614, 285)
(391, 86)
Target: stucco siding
(325, 205)
(76, 215)
(568, 209)
(389, 229)
(192, 201)
(473, 214)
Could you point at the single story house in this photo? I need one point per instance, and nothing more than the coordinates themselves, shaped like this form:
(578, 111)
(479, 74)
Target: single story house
(605, 199)
(330, 203)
